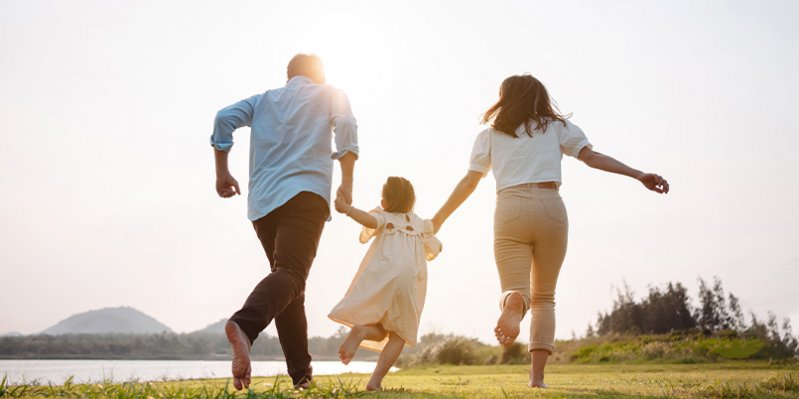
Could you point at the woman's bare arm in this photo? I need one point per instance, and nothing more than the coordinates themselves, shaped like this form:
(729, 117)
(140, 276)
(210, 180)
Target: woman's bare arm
(462, 191)
(607, 163)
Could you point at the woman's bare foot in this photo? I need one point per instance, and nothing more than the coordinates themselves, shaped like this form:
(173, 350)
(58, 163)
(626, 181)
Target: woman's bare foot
(507, 328)
(241, 367)
(538, 361)
(350, 345)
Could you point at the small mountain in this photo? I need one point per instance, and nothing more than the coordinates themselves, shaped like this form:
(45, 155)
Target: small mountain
(11, 334)
(121, 320)
(213, 328)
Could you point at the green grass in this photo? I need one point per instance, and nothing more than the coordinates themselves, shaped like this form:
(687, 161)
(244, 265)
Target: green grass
(664, 348)
(714, 380)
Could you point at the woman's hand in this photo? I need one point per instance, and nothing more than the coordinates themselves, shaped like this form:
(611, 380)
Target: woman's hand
(436, 224)
(341, 204)
(607, 163)
(654, 182)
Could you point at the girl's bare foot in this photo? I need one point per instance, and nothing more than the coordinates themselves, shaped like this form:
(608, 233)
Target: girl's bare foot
(241, 367)
(507, 328)
(350, 345)
(532, 384)
(372, 386)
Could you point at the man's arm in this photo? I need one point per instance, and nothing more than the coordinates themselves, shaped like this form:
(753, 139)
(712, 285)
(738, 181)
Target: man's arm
(347, 163)
(226, 185)
(226, 122)
(345, 129)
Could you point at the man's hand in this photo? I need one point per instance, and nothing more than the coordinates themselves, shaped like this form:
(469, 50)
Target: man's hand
(227, 186)
(654, 182)
(345, 192)
(341, 205)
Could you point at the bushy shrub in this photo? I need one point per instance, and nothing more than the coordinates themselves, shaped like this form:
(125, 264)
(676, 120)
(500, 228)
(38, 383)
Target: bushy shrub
(515, 354)
(448, 349)
(457, 350)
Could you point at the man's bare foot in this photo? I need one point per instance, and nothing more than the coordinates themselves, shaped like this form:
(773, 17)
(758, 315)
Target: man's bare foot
(350, 345)
(507, 328)
(372, 387)
(241, 367)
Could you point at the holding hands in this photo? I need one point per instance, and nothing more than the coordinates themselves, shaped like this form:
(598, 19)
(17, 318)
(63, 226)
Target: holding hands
(343, 202)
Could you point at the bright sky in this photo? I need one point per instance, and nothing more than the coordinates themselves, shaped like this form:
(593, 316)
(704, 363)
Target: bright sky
(108, 186)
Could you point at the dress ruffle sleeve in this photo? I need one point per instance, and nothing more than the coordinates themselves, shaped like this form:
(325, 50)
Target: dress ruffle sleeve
(432, 246)
(367, 233)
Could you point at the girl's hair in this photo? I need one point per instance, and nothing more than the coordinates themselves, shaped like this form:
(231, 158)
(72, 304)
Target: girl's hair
(522, 99)
(398, 195)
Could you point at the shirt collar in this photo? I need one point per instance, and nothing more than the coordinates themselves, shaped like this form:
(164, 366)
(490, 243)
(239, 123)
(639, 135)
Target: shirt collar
(298, 80)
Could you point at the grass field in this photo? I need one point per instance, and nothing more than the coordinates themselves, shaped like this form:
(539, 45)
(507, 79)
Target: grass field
(719, 380)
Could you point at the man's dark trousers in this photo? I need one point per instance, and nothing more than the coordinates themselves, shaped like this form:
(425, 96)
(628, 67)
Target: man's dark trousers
(290, 235)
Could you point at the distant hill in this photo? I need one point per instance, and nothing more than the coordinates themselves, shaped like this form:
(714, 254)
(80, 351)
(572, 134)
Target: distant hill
(122, 320)
(11, 334)
(213, 328)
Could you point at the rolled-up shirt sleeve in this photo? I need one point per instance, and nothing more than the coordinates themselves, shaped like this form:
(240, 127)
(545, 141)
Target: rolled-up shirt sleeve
(480, 160)
(345, 127)
(231, 118)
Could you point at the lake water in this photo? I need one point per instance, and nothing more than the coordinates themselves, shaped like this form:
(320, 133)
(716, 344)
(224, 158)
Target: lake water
(57, 371)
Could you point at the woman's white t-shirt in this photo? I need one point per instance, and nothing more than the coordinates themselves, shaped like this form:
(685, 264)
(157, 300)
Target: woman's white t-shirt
(526, 159)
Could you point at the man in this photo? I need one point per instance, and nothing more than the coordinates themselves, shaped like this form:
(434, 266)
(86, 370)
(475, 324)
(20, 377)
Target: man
(291, 171)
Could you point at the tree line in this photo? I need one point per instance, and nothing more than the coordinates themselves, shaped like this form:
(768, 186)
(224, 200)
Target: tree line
(192, 346)
(669, 309)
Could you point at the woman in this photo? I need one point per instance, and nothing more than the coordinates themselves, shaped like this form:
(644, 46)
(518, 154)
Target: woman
(524, 147)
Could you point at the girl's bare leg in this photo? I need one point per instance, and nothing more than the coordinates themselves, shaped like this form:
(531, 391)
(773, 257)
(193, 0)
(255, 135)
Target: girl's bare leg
(358, 333)
(538, 360)
(387, 359)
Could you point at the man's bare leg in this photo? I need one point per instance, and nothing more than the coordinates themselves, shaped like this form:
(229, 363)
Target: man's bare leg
(386, 360)
(241, 367)
(507, 328)
(358, 333)
(538, 360)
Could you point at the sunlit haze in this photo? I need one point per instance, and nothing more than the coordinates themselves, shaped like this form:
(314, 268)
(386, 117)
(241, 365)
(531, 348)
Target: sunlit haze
(108, 179)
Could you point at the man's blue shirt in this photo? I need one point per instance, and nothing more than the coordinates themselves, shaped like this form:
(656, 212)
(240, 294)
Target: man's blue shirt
(292, 129)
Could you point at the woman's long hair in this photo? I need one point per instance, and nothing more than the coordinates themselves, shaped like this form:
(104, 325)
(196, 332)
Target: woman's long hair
(522, 100)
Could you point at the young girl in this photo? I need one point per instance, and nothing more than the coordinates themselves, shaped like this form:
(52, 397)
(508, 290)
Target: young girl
(385, 300)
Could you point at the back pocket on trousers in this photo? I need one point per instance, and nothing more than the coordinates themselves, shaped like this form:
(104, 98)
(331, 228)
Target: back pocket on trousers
(555, 209)
(507, 210)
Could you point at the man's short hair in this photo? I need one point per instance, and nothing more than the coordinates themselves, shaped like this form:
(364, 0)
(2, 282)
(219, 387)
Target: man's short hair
(308, 65)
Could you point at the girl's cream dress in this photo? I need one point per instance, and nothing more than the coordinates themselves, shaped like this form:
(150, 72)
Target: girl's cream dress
(390, 285)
